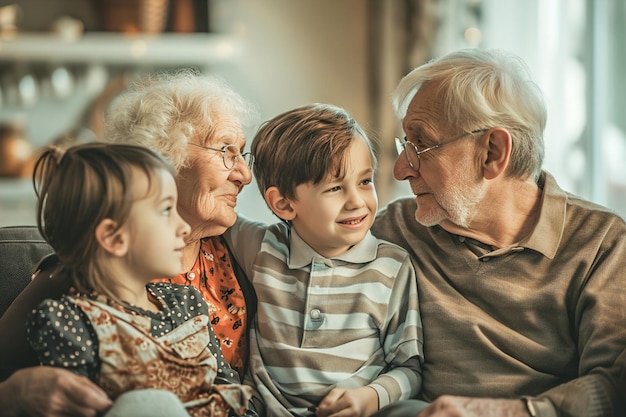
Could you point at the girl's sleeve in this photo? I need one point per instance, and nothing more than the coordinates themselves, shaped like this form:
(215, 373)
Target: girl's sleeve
(61, 335)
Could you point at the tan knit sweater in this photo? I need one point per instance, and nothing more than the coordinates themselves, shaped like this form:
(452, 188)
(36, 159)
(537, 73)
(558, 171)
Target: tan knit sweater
(545, 317)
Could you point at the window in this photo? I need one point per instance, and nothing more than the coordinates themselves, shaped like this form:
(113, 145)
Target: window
(574, 48)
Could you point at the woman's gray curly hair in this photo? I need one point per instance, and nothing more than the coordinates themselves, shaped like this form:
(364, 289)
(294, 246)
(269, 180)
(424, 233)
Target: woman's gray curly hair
(166, 111)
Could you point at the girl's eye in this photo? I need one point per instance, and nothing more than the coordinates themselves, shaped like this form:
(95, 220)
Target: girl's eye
(367, 181)
(167, 211)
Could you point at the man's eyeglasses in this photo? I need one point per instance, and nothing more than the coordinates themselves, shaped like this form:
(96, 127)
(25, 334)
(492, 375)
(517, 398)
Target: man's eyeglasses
(230, 155)
(413, 153)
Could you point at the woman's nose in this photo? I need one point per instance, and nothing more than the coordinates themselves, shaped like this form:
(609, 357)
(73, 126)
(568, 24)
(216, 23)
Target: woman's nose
(242, 172)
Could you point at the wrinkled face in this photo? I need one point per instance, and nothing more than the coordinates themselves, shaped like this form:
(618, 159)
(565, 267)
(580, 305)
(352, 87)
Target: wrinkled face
(336, 214)
(447, 186)
(156, 230)
(208, 190)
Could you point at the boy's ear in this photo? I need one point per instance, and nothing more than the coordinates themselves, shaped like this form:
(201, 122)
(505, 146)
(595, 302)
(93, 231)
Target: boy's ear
(498, 144)
(113, 241)
(280, 205)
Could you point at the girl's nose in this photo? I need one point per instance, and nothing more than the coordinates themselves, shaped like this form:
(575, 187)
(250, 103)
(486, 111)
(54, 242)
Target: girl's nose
(184, 228)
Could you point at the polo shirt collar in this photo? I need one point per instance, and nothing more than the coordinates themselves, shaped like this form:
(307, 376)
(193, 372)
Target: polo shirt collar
(301, 254)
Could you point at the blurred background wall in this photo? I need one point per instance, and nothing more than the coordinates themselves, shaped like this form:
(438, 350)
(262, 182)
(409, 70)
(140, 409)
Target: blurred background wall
(62, 62)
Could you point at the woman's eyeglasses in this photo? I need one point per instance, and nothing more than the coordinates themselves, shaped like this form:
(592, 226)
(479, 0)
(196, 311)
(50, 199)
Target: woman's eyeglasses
(230, 155)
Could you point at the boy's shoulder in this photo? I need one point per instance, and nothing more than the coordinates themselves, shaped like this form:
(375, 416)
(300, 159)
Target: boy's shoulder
(393, 262)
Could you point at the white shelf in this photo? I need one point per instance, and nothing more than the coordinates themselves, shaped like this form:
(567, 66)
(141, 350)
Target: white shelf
(202, 49)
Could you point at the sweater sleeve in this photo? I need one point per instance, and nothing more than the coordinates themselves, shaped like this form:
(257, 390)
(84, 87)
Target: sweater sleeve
(599, 316)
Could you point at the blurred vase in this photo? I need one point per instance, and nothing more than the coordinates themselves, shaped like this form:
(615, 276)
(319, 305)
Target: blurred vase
(133, 16)
(15, 151)
(183, 19)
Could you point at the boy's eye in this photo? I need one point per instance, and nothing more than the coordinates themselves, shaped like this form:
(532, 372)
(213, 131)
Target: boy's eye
(367, 181)
(333, 189)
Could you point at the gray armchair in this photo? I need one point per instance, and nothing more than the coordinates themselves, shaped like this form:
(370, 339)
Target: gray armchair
(21, 248)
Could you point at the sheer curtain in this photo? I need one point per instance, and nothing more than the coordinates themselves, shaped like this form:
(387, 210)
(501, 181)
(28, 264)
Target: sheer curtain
(575, 49)
(401, 36)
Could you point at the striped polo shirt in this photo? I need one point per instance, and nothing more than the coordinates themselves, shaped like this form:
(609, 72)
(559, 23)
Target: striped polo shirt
(347, 321)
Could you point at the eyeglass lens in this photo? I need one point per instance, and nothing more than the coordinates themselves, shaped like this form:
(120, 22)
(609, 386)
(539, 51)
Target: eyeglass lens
(411, 154)
(231, 156)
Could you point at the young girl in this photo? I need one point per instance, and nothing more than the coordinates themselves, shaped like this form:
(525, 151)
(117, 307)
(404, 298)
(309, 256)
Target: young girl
(109, 212)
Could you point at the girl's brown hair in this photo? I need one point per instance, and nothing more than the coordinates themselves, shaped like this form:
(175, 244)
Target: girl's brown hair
(79, 187)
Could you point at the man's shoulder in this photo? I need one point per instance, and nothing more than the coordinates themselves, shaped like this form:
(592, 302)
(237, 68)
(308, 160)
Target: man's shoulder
(592, 225)
(401, 205)
(396, 222)
(394, 213)
(585, 220)
(389, 249)
(582, 207)
(578, 209)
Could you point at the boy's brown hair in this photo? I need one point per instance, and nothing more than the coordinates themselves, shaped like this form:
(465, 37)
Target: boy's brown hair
(306, 144)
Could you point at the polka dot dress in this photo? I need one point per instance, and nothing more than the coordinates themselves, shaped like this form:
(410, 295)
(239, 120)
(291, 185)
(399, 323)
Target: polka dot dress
(123, 347)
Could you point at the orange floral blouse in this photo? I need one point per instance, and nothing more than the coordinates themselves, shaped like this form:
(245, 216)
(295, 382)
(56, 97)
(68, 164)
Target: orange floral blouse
(214, 275)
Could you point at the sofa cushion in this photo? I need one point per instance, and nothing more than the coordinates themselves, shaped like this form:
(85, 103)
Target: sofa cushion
(21, 248)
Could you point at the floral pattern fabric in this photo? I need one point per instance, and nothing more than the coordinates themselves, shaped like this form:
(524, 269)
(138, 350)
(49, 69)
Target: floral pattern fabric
(213, 274)
(122, 347)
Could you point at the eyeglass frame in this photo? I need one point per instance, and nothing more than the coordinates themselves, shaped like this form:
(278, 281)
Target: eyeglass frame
(247, 157)
(401, 146)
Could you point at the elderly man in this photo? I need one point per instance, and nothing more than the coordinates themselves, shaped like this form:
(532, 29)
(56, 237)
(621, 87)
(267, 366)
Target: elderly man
(522, 285)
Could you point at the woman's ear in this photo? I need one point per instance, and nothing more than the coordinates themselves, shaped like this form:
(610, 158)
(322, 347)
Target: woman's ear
(498, 144)
(114, 240)
(280, 205)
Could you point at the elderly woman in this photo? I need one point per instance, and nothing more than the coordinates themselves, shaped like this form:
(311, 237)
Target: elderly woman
(197, 123)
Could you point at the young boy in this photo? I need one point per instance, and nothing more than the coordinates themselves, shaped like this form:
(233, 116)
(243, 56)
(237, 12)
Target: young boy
(337, 326)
